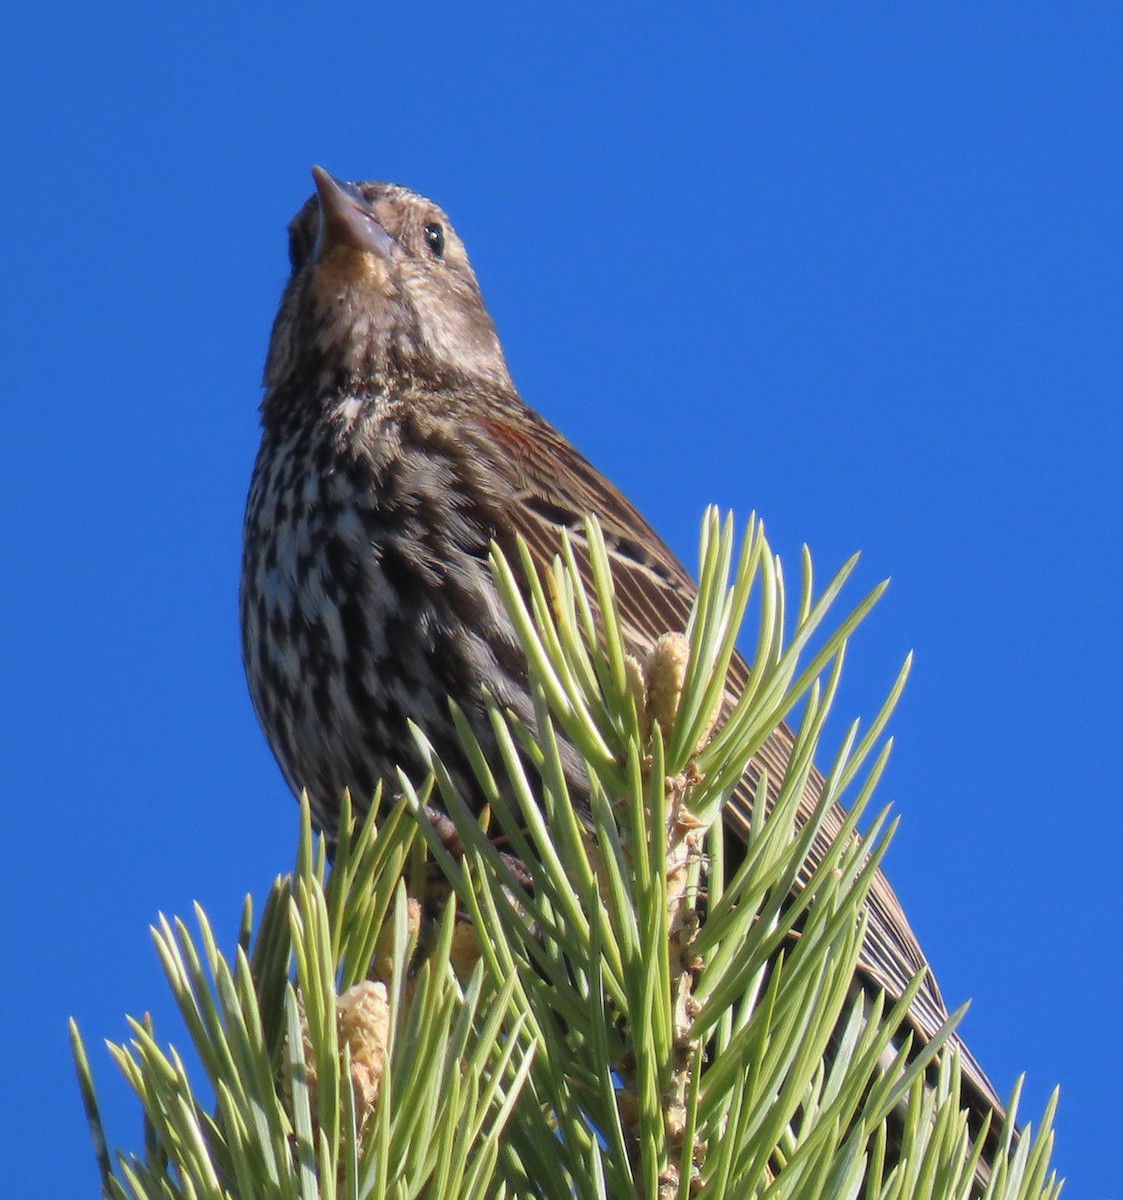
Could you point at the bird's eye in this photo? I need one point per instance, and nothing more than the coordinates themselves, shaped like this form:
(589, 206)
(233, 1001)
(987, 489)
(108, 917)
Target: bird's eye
(435, 239)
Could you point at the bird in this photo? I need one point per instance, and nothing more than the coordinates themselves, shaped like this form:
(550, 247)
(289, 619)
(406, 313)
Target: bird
(395, 449)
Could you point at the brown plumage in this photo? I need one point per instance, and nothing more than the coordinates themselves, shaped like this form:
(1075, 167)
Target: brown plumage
(394, 449)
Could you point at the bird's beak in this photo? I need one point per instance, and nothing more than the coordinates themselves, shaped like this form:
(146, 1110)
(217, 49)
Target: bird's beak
(347, 219)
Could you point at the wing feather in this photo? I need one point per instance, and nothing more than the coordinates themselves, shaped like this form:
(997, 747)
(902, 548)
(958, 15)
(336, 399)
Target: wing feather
(655, 594)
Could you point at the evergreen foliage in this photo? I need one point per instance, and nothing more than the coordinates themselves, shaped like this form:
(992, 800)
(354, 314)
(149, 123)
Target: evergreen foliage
(574, 1003)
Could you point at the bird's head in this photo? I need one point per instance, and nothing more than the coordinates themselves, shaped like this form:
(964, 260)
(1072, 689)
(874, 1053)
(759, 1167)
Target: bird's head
(381, 291)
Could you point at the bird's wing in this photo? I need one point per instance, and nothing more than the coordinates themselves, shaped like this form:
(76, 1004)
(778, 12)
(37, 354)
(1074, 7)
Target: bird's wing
(556, 488)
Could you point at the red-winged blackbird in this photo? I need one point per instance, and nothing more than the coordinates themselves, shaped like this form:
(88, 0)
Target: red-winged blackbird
(394, 449)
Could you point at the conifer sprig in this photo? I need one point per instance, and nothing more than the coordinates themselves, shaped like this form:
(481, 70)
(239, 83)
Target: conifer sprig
(601, 1009)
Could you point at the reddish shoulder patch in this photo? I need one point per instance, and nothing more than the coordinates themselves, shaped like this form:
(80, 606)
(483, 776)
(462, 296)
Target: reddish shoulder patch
(515, 439)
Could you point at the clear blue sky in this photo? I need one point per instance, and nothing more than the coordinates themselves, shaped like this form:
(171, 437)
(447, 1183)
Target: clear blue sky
(855, 267)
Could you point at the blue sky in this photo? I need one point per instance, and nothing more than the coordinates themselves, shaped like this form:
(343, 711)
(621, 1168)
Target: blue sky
(855, 268)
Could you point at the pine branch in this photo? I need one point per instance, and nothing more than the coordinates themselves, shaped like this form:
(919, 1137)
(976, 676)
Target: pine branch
(577, 1001)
